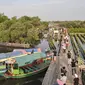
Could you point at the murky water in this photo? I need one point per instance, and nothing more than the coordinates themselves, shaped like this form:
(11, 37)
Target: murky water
(43, 45)
(34, 80)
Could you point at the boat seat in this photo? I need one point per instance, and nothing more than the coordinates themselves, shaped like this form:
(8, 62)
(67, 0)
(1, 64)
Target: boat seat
(36, 67)
(33, 68)
(25, 70)
(30, 69)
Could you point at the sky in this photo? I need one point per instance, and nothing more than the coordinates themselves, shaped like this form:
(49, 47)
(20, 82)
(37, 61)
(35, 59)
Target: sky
(49, 10)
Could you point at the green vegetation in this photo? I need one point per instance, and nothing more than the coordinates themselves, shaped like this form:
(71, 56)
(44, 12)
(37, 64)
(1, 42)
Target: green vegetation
(72, 24)
(80, 61)
(83, 36)
(80, 47)
(21, 30)
(51, 44)
(76, 30)
(75, 49)
(81, 39)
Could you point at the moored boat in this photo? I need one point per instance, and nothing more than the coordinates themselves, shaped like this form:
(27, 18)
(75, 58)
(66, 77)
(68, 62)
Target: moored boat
(29, 65)
(14, 54)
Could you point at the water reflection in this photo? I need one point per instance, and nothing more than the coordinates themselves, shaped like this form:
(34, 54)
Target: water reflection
(35, 82)
(5, 49)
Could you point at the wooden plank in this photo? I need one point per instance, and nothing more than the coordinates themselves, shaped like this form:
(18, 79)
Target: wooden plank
(50, 76)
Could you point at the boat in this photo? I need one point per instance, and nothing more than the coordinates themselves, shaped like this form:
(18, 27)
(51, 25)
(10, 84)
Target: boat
(26, 66)
(15, 53)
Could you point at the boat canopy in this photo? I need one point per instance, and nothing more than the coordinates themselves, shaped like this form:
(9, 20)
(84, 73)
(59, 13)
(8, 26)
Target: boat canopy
(28, 59)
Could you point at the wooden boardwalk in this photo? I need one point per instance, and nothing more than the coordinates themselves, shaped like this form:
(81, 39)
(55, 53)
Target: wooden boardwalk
(50, 76)
(53, 71)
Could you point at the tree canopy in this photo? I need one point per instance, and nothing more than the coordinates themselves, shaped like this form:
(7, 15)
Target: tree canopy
(21, 30)
(73, 26)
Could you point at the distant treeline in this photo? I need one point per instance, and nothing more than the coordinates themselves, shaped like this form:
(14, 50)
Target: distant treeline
(73, 26)
(21, 30)
(76, 30)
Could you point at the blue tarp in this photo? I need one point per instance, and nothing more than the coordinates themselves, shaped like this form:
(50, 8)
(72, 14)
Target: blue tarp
(27, 50)
(10, 54)
(30, 50)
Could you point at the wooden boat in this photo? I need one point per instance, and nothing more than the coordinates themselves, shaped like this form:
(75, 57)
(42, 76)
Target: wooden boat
(29, 65)
(14, 54)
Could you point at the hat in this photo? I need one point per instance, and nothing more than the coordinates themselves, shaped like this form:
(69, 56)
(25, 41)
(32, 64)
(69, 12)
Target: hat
(76, 75)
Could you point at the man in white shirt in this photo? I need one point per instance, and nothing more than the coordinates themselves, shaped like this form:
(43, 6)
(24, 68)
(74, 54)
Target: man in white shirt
(63, 78)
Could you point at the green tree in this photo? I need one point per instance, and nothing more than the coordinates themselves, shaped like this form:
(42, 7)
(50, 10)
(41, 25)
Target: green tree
(3, 17)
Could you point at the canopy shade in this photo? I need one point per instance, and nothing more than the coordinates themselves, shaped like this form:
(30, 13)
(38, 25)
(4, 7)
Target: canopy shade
(27, 59)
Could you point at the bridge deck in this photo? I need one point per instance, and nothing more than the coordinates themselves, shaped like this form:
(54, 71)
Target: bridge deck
(53, 71)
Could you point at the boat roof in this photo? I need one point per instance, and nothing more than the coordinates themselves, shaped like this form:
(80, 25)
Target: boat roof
(27, 59)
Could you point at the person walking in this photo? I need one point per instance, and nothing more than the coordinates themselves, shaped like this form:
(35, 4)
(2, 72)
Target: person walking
(69, 54)
(67, 44)
(69, 58)
(64, 47)
(73, 65)
(76, 79)
(63, 78)
(69, 61)
(63, 71)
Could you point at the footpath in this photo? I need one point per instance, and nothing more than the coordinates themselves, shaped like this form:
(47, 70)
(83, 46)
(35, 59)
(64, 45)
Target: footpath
(64, 62)
(54, 71)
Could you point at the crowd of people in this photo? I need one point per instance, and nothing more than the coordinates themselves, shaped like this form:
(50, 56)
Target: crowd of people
(72, 63)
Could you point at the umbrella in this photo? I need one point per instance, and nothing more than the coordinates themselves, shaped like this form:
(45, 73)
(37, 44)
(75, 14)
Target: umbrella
(60, 82)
